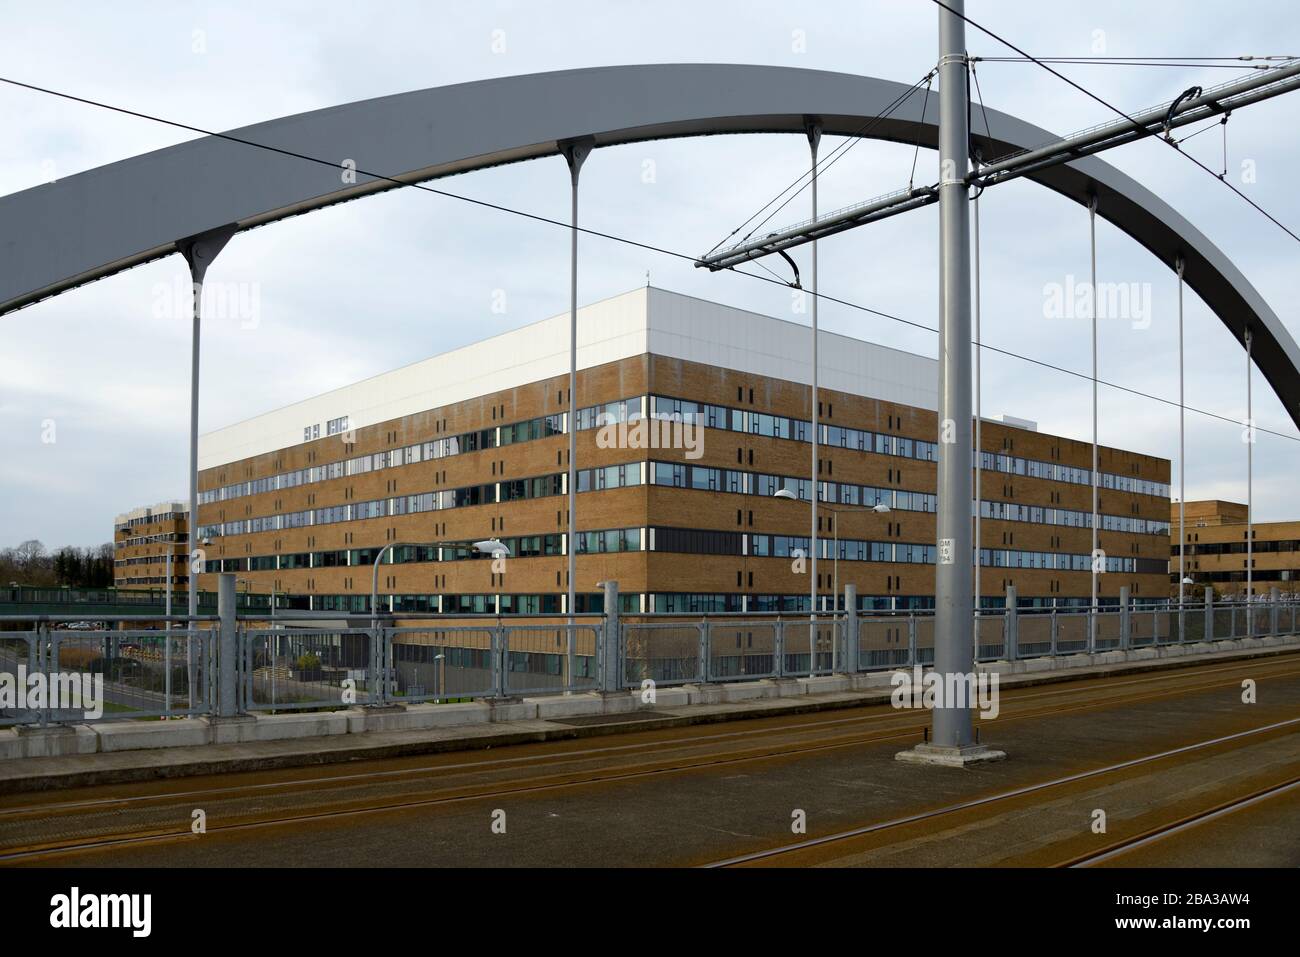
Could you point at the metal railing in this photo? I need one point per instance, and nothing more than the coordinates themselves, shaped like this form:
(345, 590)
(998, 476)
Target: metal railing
(232, 664)
(96, 674)
(303, 669)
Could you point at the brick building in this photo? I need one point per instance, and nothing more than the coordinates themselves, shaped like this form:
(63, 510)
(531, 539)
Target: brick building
(1215, 549)
(471, 444)
(142, 538)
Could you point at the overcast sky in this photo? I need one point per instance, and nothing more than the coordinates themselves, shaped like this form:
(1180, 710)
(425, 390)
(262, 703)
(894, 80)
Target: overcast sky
(361, 288)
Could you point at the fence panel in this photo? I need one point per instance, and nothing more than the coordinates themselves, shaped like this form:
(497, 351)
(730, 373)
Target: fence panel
(21, 654)
(809, 647)
(1035, 634)
(1222, 621)
(1262, 613)
(882, 643)
(441, 664)
(743, 650)
(137, 674)
(1164, 625)
(537, 658)
(1240, 621)
(1141, 628)
(1193, 624)
(666, 653)
(1109, 626)
(924, 626)
(291, 670)
(1071, 632)
(991, 636)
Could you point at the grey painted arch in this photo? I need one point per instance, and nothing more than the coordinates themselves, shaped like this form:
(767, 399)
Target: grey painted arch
(91, 225)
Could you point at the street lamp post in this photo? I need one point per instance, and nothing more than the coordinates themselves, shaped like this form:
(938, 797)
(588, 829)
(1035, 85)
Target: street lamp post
(167, 630)
(879, 508)
(491, 546)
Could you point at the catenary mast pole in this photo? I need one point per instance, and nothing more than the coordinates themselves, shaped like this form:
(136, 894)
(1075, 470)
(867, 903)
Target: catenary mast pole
(575, 153)
(953, 649)
(952, 740)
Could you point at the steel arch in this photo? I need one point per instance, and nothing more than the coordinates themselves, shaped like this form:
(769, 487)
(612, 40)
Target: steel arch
(94, 224)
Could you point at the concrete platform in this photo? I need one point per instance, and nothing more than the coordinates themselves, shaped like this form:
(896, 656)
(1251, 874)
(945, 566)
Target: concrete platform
(110, 752)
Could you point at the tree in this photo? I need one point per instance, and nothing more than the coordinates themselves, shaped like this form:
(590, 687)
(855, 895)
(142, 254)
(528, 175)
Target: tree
(30, 564)
(30, 554)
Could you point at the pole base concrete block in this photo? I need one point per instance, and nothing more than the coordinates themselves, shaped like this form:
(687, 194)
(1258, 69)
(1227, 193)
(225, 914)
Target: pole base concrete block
(825, 684)
(618, 702)
(511, 709)
(51, 741)
(949, 757)
(231, 729)
(873, 681)
(704, 693)
(663, 698)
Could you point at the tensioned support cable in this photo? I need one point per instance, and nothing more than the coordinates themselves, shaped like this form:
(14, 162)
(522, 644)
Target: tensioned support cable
(1092, 235)
(979, 452)
(1180, 266)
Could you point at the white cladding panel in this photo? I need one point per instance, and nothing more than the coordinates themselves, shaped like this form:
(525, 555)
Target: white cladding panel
(684, 327)
(634, 323)
(609, 330)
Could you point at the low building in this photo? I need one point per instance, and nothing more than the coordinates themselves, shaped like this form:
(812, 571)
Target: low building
(691, 416)
(142, 540)
(1214, 550)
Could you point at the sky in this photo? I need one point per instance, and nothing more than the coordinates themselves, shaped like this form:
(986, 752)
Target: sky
(94, 383)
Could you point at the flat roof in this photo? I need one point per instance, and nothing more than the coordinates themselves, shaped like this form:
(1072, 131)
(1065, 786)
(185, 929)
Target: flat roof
(645, 320)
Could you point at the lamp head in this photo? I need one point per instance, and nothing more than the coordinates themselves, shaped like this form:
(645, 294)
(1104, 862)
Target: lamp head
(493, 547)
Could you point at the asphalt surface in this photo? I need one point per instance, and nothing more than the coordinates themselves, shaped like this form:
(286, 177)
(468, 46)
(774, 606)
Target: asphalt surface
(704, 794)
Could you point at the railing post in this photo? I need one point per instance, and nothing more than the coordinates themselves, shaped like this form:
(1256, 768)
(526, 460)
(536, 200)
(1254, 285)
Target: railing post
(850, 633)
(228, 652)
(571, 653)
(778, 646)
(44, 661)
(246, 657)
(704, 650)
(611, 641)
(1274, 612)
(1011, 626)
(1052, 632)
(372, 663)
(1209, 613)
(387, 679)
(499, 661)
(1126, 621)
(911, 640)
